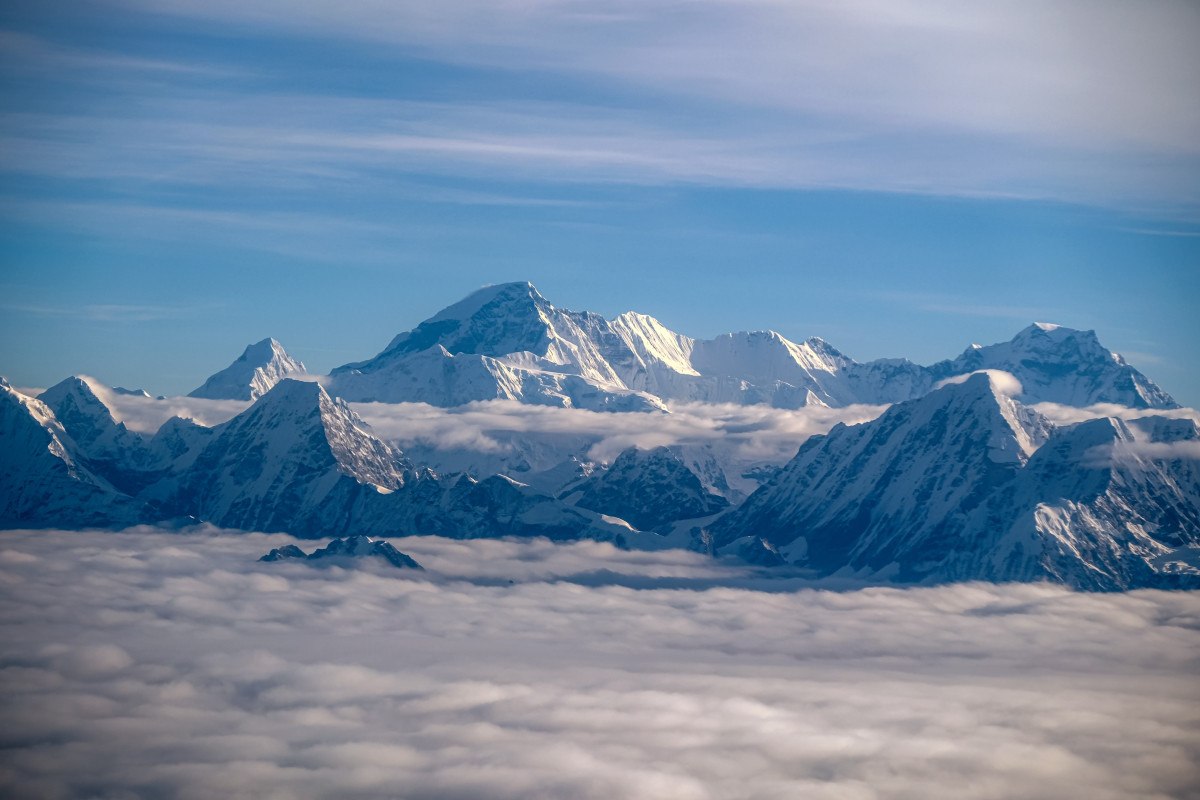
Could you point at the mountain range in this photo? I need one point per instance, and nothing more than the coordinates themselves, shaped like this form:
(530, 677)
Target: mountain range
(961, 478)
(509, 342)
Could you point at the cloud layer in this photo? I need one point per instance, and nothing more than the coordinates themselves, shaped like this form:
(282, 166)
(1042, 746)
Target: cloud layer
(156, 665)
(498, 429)
(748, 433)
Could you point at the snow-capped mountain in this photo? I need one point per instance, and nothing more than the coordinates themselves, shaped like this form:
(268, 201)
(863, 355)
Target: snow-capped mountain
(648, 489)
(1061, 365)
(966, 483)
(959, 479)
(509, 342)
(177, 443)
(43, 480)
(501, 342)
(102, 443)
(261, 366)
(1107, 502)
(876, 491)
(341, 551)
(302, 462)
(296, 460)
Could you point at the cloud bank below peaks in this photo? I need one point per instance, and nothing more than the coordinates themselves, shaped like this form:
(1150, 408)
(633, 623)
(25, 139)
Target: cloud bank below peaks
(174, 665)
(752, 433)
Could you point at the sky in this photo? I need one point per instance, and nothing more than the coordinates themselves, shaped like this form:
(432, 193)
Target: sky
(179, 178)
(161, 665)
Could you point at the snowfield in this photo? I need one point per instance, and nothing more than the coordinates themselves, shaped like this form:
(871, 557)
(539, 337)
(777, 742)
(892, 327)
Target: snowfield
(152, 664)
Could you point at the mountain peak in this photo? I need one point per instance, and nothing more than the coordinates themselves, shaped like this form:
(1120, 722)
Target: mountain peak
(1053, 332)
(259, 367)
(43, 480)
(502, 341)
(340, 550)
(293, 391)
(295, 416)
(83, 391)
(648, 489)
(493, 321)
(1062, 365)
(516, 292)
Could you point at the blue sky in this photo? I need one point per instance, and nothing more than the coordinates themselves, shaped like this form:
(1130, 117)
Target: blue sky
(181, 178)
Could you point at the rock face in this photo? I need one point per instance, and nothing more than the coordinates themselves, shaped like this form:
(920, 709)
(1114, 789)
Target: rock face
(253, 374)
(103, 445)
(43, 480)
(968, 484)
(177, 443)
(296, 460)
(648, 489)
(346, 551)
(509, 342)
(1105, 503)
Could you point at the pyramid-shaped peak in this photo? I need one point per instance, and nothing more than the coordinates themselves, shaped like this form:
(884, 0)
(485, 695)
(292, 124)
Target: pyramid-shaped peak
(509, 295)
(292, 392)
(82, 392)
(298, 420)
(259, 367)
(984, 400)
(267, 349)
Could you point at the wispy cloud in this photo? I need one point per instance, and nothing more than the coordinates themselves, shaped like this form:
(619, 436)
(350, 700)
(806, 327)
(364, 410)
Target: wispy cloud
(1067, 415)
(1004, 102)
(23, 52)
(309, 236)
(107, 312)
(1065, 69)
(1063, 99)
(1189, 234)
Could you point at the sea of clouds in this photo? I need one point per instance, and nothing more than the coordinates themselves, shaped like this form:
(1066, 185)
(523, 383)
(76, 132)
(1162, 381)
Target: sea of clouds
(152, 664)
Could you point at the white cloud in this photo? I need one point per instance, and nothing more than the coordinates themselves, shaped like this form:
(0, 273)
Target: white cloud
(1070, 99)
(1066, 99)
(1068, 69)
(1102, 456)
(1003, 382)
(1067, 415)
(154, 664)
(750, 433)
(147, 414)
(500, 427)
(107, 312)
